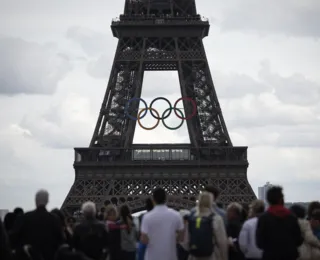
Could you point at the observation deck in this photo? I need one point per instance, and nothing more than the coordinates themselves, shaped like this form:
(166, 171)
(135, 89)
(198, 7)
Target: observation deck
(163, 155)
(160, 26)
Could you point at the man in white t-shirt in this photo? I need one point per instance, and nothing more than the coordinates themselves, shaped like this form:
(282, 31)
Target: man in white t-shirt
(161, 229)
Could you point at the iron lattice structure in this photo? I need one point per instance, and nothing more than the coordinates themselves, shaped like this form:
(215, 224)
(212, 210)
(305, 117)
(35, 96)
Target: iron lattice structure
(157, 35)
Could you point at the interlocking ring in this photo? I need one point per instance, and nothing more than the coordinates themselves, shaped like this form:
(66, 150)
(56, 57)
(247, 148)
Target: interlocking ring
(170, 108)
(127, 107)
(148, 128)
(165, 114)
(168, 127)
(193, 104)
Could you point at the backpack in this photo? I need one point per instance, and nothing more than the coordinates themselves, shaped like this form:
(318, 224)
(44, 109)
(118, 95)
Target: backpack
(128, 240)
(201, 234)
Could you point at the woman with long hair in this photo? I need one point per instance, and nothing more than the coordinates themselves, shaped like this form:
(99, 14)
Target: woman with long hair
(128, 234)
(66, 230)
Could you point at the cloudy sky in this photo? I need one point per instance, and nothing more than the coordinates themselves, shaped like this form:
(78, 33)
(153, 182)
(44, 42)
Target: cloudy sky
(55, 58)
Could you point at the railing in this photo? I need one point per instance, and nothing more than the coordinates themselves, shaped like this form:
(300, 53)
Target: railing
(149, 20)
(150, 153)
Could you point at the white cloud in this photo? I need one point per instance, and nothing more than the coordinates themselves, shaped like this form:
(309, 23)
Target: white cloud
(30, 68)
(289, 17)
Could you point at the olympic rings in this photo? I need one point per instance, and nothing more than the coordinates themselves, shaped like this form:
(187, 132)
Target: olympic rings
(165, 114)
(148, 128)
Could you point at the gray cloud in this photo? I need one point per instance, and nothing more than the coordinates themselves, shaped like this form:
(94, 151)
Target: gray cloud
(100, 67)
(30, 68)
(92, 42)
(288, 17)
(295, 89)
(62, 126)
(237, 85)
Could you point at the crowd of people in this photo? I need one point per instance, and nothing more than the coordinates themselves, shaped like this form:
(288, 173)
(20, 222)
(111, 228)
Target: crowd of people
(206, 232)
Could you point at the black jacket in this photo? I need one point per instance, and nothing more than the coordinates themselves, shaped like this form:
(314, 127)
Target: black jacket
(278, 234)
(91, 238)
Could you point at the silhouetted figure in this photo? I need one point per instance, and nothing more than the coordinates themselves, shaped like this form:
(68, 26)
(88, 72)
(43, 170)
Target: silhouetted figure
(66, 230)
(39, 229)
(278, 232)
(4, 243)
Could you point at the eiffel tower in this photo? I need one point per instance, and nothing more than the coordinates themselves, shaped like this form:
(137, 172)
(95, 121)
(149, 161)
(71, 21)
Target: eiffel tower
(159, 35)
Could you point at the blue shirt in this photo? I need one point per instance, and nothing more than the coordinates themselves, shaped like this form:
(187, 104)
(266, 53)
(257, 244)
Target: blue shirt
(316, 232)
(221, 213)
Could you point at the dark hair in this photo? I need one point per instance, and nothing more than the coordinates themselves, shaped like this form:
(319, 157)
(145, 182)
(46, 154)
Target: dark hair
(275, 195)
(103, 209)
(60, 216)
(159, 196)
(149, 204)
(313, 206)
(213, 190)
(18, 211)
(244, 212)
(220, 205)
(126, 216)
(298, 210)
(315, 215)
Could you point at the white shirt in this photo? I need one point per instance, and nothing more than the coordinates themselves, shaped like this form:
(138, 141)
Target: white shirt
(161, 225)
(247, 239)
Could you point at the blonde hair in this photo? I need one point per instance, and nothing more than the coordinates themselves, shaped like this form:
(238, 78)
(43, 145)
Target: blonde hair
(205, 202)
(111, 210)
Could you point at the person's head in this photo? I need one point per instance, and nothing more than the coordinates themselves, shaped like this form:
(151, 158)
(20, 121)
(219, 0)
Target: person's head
(298, 210)
(149, 204)
(71, 221)
(234, 211)
(89, 210)
(275, 196)
(111, 213)
(205, 201)
(313, 206)
(213, 190)
(42, 198)
(125, 212)
(159, 196)
(18, 211)
(256, 208)
(58, 213)
(103, 210)
(315, 219)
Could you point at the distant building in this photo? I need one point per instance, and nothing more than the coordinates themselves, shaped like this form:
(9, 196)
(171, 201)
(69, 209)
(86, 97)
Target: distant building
(262, 192)
(3, 212)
